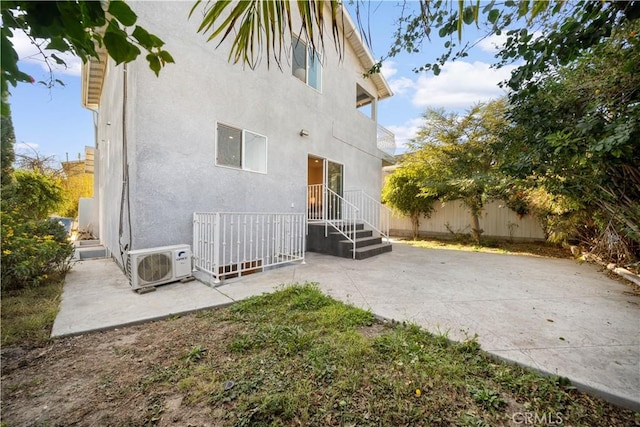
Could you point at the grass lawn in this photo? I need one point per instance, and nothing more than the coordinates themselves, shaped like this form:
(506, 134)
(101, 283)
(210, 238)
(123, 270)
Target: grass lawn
(28, 314)
(294, 357)
(494, 246)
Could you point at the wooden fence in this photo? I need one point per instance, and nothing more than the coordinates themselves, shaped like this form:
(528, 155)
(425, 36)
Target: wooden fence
(497, 221)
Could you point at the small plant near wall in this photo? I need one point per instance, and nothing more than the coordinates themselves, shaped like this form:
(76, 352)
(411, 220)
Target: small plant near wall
(512, 226)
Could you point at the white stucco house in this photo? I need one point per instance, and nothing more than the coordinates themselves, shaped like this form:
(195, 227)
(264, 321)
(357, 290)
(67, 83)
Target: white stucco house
(175, 155)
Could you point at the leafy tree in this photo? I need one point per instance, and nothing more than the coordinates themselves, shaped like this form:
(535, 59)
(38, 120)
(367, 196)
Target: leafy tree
(455, 155)
(8, 154)
(577, 135)
(402, 191)
(78, 27)
(75, 184)
(33, 195)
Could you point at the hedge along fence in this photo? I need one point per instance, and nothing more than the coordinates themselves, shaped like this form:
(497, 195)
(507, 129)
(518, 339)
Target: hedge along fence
(497, 221)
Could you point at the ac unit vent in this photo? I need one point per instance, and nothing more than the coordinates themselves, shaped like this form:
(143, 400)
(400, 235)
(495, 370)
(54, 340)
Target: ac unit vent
(156, 266)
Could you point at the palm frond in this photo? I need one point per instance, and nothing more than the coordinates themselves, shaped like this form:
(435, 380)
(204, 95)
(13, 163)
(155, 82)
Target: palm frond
(258, 27)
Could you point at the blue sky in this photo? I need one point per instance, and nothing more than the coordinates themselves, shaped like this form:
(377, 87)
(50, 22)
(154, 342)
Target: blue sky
(53, 122)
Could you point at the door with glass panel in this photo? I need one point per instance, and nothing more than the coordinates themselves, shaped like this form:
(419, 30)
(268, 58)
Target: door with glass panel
(324, 174)
(334, 182)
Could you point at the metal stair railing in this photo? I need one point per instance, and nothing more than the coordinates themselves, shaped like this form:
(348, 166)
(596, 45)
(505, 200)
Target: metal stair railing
(328, 207)
(372, 212)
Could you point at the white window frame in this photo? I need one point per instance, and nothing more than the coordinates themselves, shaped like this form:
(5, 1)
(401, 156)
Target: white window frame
(310, 52)
(243, 133)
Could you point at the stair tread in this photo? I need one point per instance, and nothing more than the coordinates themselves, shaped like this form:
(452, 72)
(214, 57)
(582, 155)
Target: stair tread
(361, 239)
(372, 247)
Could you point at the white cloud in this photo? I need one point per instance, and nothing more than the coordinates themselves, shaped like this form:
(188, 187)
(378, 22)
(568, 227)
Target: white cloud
(493, 43)
(405, 132)
(28, 52)
(400, 85)
(28, 147)
(388, 69)
(460, 85)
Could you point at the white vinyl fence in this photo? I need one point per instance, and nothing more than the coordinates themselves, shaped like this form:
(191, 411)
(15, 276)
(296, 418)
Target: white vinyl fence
(232, 244)
(496, 221)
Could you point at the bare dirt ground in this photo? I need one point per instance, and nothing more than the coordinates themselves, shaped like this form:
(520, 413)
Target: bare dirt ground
(100, 379)
(131, 377)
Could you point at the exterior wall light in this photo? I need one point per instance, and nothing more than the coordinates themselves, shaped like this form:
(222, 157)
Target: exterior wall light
(304, 132)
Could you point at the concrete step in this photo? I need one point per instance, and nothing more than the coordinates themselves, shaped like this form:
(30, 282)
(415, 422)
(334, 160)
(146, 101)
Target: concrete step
(362, 242)
(360, 234)
(335, 243)
(373, 250)
(344, 248)
(89, 252)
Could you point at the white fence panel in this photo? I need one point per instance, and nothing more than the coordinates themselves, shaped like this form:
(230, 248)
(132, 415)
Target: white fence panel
(497, 221)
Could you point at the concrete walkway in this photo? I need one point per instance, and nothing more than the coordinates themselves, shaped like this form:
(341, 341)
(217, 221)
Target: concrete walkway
(557, 316)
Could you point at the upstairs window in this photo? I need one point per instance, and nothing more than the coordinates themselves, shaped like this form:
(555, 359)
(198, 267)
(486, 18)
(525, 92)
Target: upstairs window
(306, 64)
(241, 149)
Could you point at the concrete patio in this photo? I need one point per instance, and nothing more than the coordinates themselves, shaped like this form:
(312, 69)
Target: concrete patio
(557, 316)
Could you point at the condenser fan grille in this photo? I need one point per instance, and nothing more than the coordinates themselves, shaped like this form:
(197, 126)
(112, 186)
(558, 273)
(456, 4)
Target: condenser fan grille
(154, 267)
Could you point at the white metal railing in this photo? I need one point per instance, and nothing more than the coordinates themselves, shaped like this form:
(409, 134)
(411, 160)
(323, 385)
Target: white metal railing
(232, 244)
(372, 212)
(328, 207)
(386, 140)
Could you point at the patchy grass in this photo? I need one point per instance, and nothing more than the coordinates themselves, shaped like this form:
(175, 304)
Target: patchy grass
(294, 357)
(28, 314)
(542, 249)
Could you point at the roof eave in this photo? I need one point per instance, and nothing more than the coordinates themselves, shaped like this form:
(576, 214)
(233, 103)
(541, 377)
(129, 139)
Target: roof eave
(93, 73)
(366, 59)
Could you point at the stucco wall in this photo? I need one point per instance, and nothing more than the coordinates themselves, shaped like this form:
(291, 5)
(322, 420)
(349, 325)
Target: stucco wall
(171, 132)
(109, 160)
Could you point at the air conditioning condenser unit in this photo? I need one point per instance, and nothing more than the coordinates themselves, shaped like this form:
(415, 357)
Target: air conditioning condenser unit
(157, 266)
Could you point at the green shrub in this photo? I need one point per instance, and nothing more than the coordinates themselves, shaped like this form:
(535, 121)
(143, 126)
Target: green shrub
(32, 250)
(33, 195)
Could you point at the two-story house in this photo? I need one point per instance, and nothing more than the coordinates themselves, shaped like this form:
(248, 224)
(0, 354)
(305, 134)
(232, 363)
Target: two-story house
(209, 136)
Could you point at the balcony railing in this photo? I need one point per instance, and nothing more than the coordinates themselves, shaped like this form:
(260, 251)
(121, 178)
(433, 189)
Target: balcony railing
(386, 141)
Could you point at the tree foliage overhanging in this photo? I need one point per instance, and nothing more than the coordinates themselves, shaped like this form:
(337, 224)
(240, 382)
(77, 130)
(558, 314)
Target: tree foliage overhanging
(542, 35)
(77, 27)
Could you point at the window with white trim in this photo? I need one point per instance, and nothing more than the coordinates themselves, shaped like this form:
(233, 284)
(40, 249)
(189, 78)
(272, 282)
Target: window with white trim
(241, 149)
(305, 64)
